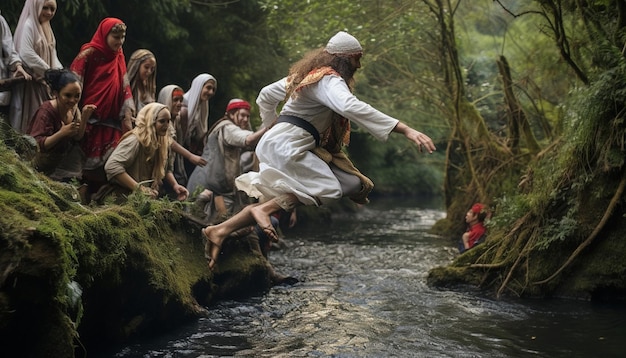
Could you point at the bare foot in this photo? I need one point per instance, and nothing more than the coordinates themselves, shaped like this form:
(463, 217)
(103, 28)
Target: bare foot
(213, 246)
(264, 223)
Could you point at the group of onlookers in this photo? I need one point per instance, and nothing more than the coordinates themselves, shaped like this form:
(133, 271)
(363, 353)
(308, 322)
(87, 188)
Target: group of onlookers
(101, 123)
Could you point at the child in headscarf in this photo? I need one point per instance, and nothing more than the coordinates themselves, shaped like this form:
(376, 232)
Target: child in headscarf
(142, 76)
(474, 218)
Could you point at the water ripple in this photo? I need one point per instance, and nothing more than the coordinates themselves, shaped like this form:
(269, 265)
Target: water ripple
(363, 293)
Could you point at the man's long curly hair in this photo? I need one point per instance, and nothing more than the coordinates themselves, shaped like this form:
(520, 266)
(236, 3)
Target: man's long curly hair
(319, 58)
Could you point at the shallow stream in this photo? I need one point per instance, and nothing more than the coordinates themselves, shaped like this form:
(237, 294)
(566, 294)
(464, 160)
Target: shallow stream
(363, 294)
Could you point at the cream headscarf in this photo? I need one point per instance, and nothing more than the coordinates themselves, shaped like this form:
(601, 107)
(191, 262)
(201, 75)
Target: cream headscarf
(149, 92)
(155, 146)
(197, 111)
(44, 40)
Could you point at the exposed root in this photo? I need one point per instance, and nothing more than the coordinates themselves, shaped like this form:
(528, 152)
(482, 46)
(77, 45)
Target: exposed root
(498, 265)
(521, 255)
(514, 231)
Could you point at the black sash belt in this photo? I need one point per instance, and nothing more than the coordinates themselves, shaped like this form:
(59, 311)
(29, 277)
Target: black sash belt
(299, 122)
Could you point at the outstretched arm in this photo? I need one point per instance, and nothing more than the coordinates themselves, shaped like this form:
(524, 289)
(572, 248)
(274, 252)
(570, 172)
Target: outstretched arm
(193, 158)
(419, 138)
(253, 139)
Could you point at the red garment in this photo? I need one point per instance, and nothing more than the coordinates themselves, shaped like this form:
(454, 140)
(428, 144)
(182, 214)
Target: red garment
(475, 231)
(47, 121)
(103, 74)
(57, 160)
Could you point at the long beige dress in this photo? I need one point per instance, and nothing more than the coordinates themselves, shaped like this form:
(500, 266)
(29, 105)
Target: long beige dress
(36, 45)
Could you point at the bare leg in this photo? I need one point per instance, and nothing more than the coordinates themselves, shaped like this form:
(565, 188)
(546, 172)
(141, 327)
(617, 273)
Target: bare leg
(220, 206)
(261, 213)
(216, 235)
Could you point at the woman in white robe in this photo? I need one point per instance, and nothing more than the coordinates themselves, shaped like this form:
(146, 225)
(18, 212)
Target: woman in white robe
(10, 64)
(34, 41)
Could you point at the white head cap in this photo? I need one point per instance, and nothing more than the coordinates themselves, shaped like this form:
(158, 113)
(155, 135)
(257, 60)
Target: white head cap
(343, 44)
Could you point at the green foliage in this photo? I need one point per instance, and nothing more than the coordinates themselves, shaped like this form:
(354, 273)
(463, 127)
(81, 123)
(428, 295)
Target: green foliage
(595, 149)
(571, 192)
(540, 81)
(396, 166)
(396, 77)
(559, 229)
(590, 123)
(509, 209)
(227, 39)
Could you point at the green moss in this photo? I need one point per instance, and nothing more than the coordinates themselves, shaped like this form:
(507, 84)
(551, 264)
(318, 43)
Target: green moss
(535, 234)
(140, 264)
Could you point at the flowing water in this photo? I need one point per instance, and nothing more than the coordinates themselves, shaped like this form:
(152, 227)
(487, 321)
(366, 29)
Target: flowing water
(363, 293)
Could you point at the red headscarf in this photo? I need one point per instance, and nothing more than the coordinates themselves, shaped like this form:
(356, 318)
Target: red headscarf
(102, 73)
(477, 208)
(237, 103)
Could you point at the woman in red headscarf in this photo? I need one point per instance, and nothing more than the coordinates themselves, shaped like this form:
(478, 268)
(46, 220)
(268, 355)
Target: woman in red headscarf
(101, 66)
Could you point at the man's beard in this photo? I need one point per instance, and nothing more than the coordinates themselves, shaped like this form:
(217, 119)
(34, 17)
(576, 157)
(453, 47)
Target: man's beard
(344, 67)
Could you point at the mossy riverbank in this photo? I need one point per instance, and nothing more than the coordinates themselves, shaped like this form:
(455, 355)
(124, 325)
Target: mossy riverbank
(74, 277)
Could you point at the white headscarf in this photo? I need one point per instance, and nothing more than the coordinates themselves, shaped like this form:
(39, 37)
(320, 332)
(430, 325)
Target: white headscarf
(165, 97)
(43, 37)
(197, 112)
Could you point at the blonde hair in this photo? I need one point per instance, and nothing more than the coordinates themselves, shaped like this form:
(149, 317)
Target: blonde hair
(156, 146)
